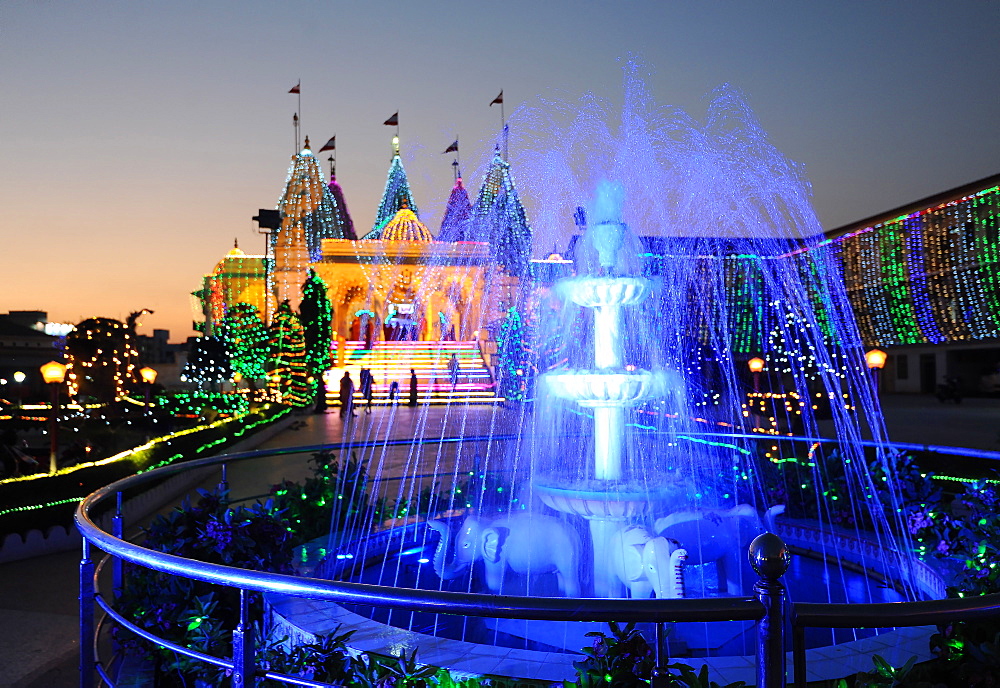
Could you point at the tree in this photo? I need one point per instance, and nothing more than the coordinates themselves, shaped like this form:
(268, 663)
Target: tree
(317, 320)
(516, 371)
(100, 353)
(208, 363)
(288, 356)
(247, 339)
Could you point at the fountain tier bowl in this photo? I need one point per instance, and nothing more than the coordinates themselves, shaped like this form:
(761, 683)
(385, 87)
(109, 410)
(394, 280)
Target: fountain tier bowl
(598, 292)
(607, 387)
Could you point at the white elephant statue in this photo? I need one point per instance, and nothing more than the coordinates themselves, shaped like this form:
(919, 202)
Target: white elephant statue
(646, 564)
(524, 543)
(720, 536)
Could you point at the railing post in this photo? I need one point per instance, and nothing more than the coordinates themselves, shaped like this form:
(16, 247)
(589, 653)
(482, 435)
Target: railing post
(117, 529)
(86, 617)
(770, 558)
(244, 646)
(117, 565)
(660, 678)
(223, 483)
(798, 654)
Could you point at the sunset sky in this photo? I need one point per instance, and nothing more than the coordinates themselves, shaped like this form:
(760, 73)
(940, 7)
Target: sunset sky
(137, 139)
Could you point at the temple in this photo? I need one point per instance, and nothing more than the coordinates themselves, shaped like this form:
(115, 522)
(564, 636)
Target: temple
(398, 282)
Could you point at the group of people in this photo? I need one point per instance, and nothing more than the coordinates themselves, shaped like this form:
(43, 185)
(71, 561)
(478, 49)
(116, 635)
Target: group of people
(366, 386)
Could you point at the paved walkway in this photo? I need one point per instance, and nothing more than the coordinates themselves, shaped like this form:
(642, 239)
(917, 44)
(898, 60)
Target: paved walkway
(38, 607)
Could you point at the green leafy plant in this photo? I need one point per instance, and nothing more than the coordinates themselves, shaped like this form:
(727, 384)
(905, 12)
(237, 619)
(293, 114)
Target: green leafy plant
(336, 492)
(624, 659)
(885, 674)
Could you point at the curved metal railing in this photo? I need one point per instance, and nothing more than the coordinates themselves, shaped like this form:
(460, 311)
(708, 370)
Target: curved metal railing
(767, 607)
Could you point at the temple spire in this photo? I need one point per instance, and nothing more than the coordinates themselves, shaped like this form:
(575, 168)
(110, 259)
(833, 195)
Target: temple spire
(498, 218)
(397, 188)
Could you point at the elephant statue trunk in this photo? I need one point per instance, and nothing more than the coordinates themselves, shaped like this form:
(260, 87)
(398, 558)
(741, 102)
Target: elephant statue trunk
(719, 536)
(444, 569)
(646, 564)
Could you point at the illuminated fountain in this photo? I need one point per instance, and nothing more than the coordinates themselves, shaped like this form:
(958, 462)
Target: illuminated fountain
(648, 460)
(607, 391)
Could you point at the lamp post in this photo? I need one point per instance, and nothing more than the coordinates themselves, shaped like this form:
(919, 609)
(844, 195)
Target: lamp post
(54, 374)
(756, 365)
(19, 377)
(875, 359)
(148, 376)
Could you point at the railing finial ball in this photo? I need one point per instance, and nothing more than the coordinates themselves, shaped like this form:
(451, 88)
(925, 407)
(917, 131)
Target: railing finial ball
(769, 556)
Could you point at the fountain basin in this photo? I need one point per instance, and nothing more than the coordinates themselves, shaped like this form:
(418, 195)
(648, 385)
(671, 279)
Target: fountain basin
(545, 651)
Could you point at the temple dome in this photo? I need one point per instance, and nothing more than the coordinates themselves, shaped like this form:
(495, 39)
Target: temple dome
(404, 226)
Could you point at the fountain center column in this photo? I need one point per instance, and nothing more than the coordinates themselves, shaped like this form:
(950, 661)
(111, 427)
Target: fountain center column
(609, 420)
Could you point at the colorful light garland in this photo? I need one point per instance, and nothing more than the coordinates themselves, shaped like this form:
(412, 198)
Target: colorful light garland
(288, 357)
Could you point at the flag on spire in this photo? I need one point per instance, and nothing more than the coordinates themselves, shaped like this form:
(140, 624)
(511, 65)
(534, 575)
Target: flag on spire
(330, 145)
(453, 148)
(296, 88)
(498, 100)
(392, 121)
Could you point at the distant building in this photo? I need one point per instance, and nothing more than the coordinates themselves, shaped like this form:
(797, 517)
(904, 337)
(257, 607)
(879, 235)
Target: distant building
(924, 282)
(24, 347)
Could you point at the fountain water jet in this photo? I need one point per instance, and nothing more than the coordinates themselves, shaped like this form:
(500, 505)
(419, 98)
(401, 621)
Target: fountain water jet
(644, 429)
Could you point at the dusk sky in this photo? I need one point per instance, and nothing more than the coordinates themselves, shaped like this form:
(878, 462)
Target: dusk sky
(137, 139)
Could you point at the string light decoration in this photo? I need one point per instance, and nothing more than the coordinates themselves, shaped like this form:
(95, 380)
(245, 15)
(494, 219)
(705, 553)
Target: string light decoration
(396, 194)
(288, 357)
(208, 363)
(499, 219)
(101, 356)
(341, 215)
(194, 404)
(247, 340)
(513, 356)
(927, 277)
(457, 214)
(404, 226)
(316, 316)
(308, 215)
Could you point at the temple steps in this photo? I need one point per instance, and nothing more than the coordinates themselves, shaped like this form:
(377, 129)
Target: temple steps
(392, 361)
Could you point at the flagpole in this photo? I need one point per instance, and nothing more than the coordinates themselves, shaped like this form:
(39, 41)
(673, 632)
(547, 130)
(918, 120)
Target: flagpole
(299, 94)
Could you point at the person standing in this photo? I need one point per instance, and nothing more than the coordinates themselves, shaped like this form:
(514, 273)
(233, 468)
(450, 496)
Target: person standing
(346, 395)
(367, 382)
(453, 368)
(413, 388)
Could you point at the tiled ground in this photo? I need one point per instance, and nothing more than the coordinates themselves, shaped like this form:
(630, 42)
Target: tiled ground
(320, 618)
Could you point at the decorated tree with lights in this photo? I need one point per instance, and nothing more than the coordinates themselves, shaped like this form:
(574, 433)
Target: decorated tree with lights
(288, 356)
(514, 357)
(247, 340)
(317, 318)
(208, 363)
(100, 356)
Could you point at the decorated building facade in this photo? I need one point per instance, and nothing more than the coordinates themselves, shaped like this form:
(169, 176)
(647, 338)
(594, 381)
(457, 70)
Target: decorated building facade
(396, 282)
(924, 283)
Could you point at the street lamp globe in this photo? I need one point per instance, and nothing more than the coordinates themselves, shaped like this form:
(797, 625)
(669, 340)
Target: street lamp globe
(148, 375)
(19, 377)
(876, 359)
(53, 372)
(756, 364)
